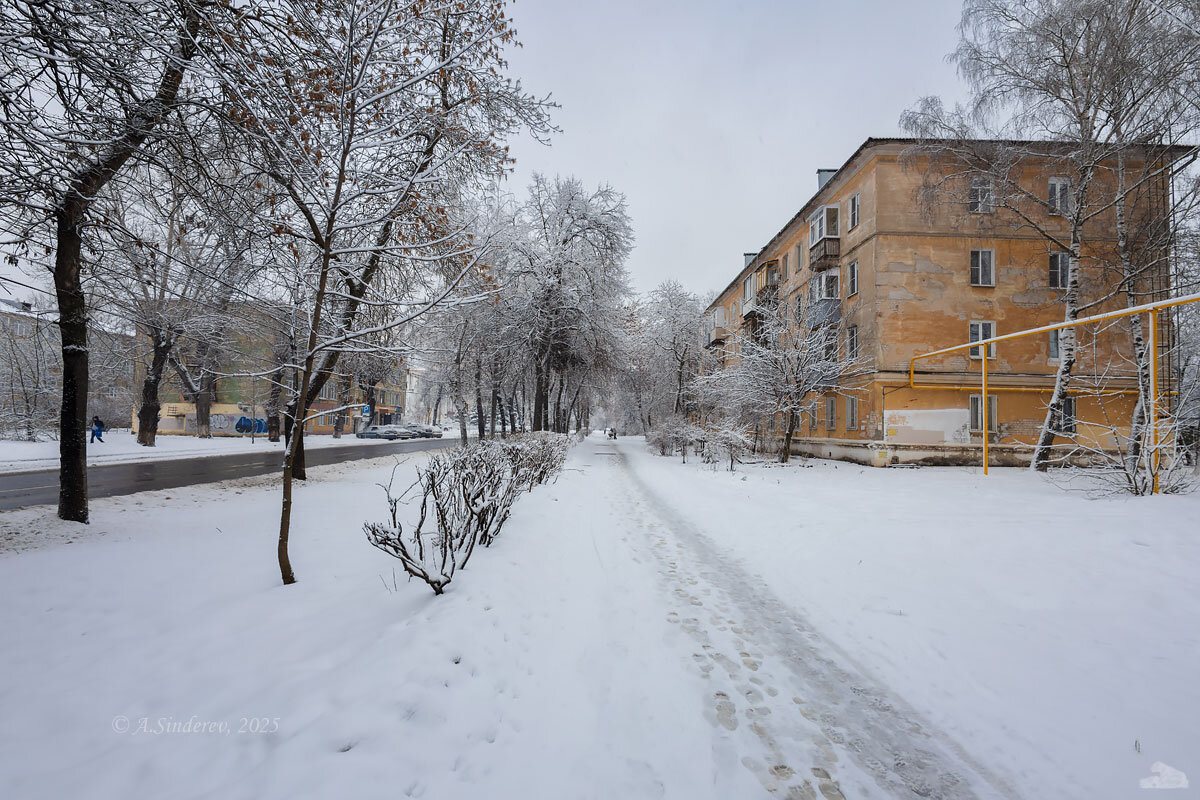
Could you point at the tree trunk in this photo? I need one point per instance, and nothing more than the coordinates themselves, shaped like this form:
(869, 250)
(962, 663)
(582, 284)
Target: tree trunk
(786, 455)
(480, 422)
(150, 406)
(204, 402)
(339, 422)
(274, 398)
(492, 405)
(1067, 336)
(72, 323)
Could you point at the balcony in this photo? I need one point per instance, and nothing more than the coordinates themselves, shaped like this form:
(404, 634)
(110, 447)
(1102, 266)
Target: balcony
(767, 294)
(825, 253)
(717, 336)
(826, 311)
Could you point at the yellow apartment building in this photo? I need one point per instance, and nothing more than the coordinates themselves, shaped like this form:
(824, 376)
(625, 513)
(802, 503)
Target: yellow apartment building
(899, 278)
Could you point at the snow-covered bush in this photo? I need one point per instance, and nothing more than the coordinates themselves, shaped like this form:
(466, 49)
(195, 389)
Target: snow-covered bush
(675, 435)
(466, 497)
(724, 441)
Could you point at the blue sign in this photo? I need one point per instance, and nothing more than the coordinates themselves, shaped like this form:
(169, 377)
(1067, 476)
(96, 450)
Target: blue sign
(366, 411)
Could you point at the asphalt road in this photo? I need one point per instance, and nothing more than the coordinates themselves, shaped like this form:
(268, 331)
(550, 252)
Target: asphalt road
(20, 489)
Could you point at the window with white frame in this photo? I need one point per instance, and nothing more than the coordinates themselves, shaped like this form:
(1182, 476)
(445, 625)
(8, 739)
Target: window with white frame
(851, 413)
(852, 279)
(980, 330)
(1064, 422)
(822, 224)
(977, 413)
(980, 197)
(830, 413)
(1060, 264)
(983, 267)
(852, 342)
(1059, 196)
(748, 287)
(824, 286)
(1054, 345)
(719, 316)
(852, 223)
(799, 257)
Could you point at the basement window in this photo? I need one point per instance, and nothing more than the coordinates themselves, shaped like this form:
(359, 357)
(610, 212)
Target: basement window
(977, 413)
(1064, 422)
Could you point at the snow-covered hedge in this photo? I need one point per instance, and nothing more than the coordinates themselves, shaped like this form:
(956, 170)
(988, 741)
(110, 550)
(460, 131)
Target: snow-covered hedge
(466, 497)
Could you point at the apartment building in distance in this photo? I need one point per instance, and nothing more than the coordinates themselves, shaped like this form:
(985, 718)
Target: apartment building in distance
(895, 278)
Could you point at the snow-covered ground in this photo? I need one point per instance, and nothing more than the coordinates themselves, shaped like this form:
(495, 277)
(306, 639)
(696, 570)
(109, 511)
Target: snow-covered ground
(121, 447)
(641, 629)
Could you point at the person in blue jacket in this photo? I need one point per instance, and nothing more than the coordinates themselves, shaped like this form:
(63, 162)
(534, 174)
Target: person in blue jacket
(97, 430)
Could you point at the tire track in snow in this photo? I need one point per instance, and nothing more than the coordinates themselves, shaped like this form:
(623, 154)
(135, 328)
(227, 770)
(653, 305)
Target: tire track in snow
(807, 721)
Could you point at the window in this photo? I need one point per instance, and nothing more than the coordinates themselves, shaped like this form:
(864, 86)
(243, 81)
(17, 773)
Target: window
(977, 413)
(1059, 269)
(851, 413)
(983, 271)
(852, 342)
(1064, 423)
(830, 413)
(822, 224)
(783, 268)
(980, 199)
(831, 345)
(852, 279)
(799, 257)
(748, 287)
(1059, 196)
(1054, 345)
(979, 331)
(719, 316)
(854, 207)
(824, 286)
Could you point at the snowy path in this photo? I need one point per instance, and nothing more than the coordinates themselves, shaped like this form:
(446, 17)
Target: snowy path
(798, 711)
(642, 629)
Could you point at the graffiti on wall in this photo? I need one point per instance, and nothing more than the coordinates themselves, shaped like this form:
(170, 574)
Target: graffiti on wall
(247, 425)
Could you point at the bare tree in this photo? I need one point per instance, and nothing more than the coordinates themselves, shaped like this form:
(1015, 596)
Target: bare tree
(386, 114)
(85, 88)
(783, 364)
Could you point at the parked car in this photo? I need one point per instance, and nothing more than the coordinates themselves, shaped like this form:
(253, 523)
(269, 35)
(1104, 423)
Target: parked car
(390, 432)
(424, 431)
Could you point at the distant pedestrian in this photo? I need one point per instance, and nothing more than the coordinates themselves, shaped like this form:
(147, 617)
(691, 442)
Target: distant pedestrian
(97, 430)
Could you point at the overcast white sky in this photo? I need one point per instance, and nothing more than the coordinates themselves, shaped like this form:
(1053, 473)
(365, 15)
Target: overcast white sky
(713, 117)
